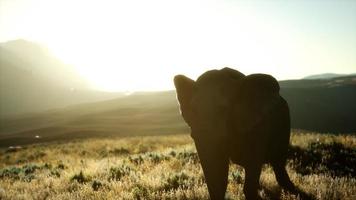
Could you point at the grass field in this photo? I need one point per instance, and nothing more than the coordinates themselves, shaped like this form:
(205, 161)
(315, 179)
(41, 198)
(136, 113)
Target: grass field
(166, 167)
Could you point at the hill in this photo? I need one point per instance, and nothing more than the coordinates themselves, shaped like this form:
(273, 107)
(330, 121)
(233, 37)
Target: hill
(316, 105)
(32, 80)
(323, 105)
(326, 76)
(137, 114)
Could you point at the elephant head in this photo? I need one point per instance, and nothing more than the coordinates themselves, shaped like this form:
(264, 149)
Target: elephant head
(205, 105)
(211, 105)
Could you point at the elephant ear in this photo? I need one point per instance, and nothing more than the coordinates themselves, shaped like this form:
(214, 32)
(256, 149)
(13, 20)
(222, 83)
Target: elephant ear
(258, 96)
(184, 87)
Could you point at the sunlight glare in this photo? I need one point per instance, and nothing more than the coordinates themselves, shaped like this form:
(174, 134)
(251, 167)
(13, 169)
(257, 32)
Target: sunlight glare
(132, 46)
(141, 45)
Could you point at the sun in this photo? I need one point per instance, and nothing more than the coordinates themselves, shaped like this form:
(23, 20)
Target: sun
(141, 45)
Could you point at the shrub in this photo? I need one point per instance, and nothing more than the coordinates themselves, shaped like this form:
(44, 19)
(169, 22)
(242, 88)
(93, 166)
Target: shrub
(156, 157)
(12, 172)
(47, 166)
(83, 153)
(80, 178)
(139, 192)
(28, 177)
(55, 173)
(333, 158)
(96, 185)
(177, 180)
(236, 177)
(120, 151)
(116, 173)
(29, 169)
(36, 155)
(21, 160)
(136, 159)
(103, 153)
(172, 153)
(188, 156)
(61, 166)
(24, 173)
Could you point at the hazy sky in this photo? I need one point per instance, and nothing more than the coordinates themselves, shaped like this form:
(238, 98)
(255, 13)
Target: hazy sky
(141, 44)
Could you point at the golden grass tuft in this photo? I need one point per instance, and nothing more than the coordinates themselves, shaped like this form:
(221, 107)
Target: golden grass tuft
(150, 167)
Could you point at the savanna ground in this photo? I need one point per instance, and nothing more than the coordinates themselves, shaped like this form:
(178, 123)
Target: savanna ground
(166, 167)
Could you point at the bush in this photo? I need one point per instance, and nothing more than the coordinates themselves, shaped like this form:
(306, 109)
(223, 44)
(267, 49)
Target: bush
(47, 166)
(96, 185)
(136, 159)
(120, 151)
(36, 155)
(172, 153)
(55, 173)
(156, 157)
(116, 173)
(236, 177)
(61, 166)
(188, 156)
(21, 160)
(176, 181)
(139, 192)
(80, 178)
(28, 178)
(24, 173)
(57, 170)
(333, 158)
(12, 172)
(29, 169)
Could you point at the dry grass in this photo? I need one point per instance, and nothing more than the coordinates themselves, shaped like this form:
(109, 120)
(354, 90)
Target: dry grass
(152, 167)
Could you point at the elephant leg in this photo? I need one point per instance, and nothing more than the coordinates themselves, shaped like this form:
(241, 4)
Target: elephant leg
(216, 178)
(252, 182)
(215, 164)
(282, 176)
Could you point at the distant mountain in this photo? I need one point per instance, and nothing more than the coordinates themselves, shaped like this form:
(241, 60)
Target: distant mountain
(148, 113)
(324, 105)
(315, 105)
(319, 83)
(32, 80)
(36, 60)
(326, 76)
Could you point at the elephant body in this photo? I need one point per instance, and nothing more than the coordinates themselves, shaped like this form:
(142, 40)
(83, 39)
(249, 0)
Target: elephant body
(236, 118)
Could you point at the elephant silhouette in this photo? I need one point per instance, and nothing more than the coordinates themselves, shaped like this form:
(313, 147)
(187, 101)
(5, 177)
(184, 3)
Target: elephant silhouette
(237, 118)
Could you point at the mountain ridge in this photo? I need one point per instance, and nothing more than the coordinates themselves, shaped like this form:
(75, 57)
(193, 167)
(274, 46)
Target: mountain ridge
(323, 108)
(326, 76)
(33, 80)
(35, 104)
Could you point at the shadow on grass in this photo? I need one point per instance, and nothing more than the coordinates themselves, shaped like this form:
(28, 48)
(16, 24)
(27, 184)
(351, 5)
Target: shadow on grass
(332, 159)
(276, 193)
(324, 158)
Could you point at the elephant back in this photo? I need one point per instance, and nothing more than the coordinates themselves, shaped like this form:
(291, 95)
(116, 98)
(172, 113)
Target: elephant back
(257, 97)
(259, 85)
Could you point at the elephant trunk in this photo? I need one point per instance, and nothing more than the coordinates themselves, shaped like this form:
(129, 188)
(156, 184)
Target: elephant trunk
(215, 163)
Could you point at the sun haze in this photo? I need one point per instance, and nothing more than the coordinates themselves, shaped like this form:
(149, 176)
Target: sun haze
(141, 45)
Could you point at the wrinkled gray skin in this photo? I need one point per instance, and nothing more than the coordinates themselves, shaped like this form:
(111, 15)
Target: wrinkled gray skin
(236, 118)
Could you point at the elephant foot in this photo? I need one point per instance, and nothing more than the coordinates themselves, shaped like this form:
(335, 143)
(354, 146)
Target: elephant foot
(254, 196)
(285, 182)
(283, 177)
(251, 186)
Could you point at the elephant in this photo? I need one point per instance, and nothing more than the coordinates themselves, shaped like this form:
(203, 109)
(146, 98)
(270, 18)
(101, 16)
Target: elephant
(239, 119)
